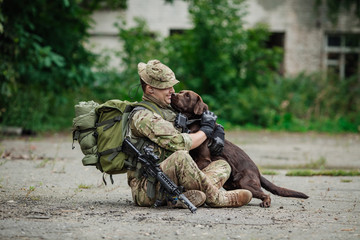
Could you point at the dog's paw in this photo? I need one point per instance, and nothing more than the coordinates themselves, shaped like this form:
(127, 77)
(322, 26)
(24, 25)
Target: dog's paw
(266, 203)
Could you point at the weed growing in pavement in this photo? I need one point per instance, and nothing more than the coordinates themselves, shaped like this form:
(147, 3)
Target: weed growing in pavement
(30, 190)
(268, 172)
(84, 186)
(333, 172)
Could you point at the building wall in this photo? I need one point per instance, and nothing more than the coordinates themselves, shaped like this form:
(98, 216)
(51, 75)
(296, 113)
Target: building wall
(299, 21)
(160, 16)
(304, 27)
(104, 35)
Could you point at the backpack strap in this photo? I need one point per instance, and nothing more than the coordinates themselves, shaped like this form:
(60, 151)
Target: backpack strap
(152, 182)
(112, 151)
(111, 178)
(152, 107)
(110, 122)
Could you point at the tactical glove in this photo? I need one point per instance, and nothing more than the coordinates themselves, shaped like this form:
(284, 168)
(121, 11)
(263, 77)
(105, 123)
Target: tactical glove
(208, 121)
(181, 122)
(217, 142)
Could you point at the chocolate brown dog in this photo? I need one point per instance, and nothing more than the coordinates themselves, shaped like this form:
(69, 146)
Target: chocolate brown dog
(244, 172)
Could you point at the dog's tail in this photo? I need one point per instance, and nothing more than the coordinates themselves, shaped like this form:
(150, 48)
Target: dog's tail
(283, 192)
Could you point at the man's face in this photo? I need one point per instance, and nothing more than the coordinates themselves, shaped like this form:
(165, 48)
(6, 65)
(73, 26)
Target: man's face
(163, 95)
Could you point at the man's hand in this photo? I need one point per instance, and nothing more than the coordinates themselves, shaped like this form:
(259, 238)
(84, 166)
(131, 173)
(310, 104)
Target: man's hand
(217, 141)
(208, 121)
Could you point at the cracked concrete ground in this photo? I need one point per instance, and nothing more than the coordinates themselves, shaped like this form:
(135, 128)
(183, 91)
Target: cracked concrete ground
(46, 193)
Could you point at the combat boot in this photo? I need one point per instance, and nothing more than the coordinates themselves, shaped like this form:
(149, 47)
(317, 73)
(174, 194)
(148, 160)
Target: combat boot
(235, 198)
(196, 197)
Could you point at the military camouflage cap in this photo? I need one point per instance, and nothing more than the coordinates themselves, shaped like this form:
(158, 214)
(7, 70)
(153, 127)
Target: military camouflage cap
(156, 74)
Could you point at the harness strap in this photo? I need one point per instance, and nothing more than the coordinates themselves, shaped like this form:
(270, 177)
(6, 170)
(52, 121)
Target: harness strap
(113, 151)
(110, 122)
(154, 107)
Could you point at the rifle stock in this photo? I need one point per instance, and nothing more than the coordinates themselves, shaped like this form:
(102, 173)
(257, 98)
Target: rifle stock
(149, 161)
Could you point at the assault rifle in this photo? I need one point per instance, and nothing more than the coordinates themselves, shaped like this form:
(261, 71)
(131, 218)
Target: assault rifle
(149, 161)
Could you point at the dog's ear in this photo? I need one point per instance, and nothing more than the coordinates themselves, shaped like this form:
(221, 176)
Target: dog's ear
(200, 106)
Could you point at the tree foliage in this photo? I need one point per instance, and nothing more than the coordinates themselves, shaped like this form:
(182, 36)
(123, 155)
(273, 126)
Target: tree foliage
(237, 75)
(41, 49)
(225, 61)
(218, 58)
(43, 58)
(45, 68)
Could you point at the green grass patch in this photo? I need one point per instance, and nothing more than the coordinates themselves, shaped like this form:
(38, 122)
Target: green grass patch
(30, 190)
(84, 186)
(268, 172)
(334, 173)
(314, 164)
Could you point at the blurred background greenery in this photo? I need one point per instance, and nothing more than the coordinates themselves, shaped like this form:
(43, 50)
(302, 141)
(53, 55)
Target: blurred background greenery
(45, 68)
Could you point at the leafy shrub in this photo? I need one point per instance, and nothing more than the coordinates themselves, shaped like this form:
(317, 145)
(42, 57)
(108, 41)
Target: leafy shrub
(237, 75)
(45, 69)
(42, 61)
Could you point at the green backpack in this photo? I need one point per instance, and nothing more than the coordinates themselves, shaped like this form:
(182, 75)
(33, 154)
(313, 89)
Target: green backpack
(100, 131)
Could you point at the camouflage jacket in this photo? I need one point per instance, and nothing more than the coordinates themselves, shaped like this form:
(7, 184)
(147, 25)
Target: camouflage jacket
(151, 126)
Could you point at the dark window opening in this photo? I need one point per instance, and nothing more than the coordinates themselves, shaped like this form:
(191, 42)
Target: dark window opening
(342, 55)
(177, 31)
(333, 56)
(334, 40)
(277, 39)
(351, 64)
(352, 40)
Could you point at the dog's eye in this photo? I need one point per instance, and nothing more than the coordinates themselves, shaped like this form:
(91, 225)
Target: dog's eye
(187, 95)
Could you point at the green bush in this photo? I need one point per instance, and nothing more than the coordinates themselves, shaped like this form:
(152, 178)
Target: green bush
(237, 75)
(42, 59)
(45, 69)
(315, 102)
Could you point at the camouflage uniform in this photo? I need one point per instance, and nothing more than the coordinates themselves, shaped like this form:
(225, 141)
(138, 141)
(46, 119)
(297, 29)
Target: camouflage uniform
(170, 143)
(178, 166)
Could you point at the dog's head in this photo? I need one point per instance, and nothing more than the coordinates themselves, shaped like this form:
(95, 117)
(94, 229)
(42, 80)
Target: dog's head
(188, 103)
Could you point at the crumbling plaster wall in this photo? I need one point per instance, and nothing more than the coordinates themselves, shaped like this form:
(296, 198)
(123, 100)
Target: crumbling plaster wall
(304, 26)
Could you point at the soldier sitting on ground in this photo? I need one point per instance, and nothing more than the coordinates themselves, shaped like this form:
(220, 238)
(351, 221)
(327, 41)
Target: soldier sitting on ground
(172, 146)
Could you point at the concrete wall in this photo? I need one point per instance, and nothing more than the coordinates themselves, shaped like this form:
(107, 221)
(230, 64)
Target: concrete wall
(104, 39)
(298, 20)
(160, 16)
(305, 28)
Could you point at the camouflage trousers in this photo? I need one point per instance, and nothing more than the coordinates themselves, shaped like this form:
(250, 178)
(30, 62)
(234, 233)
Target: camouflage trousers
(183, 171)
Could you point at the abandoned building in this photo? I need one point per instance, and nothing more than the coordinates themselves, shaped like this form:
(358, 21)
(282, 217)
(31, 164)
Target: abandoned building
(311, 43)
